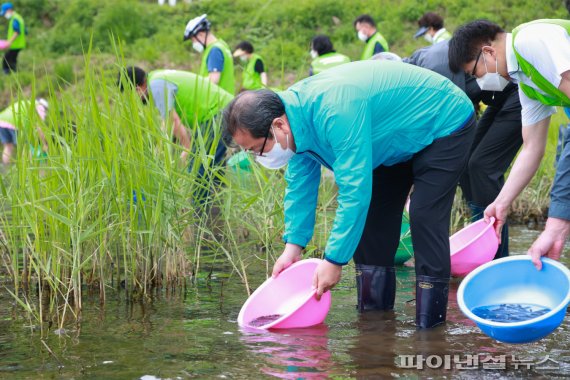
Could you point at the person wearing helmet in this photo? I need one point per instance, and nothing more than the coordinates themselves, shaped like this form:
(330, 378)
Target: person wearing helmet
(217, 63)
(254, 75)
(17, 116)
(431, 27)
(16, 39)
(324, 56)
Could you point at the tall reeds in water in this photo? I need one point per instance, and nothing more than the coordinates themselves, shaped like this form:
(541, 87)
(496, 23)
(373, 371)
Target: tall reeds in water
(112, 205)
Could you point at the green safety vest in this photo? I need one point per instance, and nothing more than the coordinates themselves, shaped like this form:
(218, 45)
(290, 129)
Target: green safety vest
(197, 99)
(369, 49)
(553, 97)
(326, 61)
(227, 80)
(442, 37)
(251, 79)
(20, 41)
(16, 114)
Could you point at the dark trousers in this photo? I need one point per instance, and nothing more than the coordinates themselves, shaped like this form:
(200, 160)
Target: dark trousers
(434, 172)
(10, 61)
(498, 137)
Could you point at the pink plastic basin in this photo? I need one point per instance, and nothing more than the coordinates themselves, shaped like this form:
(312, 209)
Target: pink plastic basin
(473, 246)
(290, 296)
(3, 44)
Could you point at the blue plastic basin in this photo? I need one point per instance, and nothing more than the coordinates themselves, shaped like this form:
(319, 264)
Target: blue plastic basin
(515, 280)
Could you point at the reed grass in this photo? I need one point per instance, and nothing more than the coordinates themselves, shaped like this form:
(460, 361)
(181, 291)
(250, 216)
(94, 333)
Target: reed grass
(112, 206)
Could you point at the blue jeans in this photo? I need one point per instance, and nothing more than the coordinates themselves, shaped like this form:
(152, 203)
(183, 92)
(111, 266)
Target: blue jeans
(7, 136)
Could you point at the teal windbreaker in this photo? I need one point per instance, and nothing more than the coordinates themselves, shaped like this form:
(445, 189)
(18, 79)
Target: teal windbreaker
(351, 119)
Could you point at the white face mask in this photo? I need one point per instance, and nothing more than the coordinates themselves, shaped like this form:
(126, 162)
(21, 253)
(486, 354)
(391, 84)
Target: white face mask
(197, 46)
(429, 38)
(492, 81)
(314, 54)
(277, 157)
(243, 58)
(8, 16)
(362, 36)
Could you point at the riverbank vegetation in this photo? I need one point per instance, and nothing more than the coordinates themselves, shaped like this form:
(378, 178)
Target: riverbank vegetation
(112, 206)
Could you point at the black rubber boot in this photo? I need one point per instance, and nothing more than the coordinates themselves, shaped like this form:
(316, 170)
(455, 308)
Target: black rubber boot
(431, 301)
(376, 287)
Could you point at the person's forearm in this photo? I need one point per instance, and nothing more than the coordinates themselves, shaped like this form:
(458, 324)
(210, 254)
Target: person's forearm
(558, 227)
(521, 174)
(294, 247)
(42, 138)
(214, 77)
(14, 36)
(180, 133)
(264, 79)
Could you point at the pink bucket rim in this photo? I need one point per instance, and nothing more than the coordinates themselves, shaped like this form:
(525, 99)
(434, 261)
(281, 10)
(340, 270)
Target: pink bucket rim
(263, 286)
(490, 225)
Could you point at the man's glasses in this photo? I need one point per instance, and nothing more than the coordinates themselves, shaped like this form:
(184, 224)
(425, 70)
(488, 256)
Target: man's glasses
(260, 153)
(264, 141)
(476, 61)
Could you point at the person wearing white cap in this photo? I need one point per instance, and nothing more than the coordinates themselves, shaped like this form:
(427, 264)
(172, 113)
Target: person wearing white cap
(217, 62)
(17, 116)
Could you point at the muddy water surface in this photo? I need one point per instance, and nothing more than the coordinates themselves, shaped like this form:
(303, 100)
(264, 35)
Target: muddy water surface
(195, 335)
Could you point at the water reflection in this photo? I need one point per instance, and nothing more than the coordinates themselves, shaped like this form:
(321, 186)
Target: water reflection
(292, 353)
(374, 347)
(194, 334)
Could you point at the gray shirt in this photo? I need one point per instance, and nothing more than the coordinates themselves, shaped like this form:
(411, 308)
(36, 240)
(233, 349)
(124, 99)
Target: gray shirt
(435, 58)
(163, 94)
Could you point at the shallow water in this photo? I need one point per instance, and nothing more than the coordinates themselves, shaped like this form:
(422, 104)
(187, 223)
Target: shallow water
(510, 313)
(195, 335)
(264, 320)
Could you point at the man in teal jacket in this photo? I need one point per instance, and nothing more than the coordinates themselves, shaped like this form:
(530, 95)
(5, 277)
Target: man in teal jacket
(381, 127)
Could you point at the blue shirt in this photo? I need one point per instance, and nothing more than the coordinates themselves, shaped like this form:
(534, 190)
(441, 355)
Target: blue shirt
(215, 60)
(16, 26)
(351, 119)
(378, 48)
(560, 193)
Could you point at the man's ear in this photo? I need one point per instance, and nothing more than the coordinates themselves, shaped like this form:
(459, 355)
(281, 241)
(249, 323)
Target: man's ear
(282, 123)
(489, 50)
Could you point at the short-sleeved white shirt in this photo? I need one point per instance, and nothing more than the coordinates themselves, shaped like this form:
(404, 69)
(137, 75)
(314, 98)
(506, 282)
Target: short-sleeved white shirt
(547, 48)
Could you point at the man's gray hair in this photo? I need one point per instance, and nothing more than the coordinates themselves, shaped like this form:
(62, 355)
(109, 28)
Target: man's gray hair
(253, 111)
